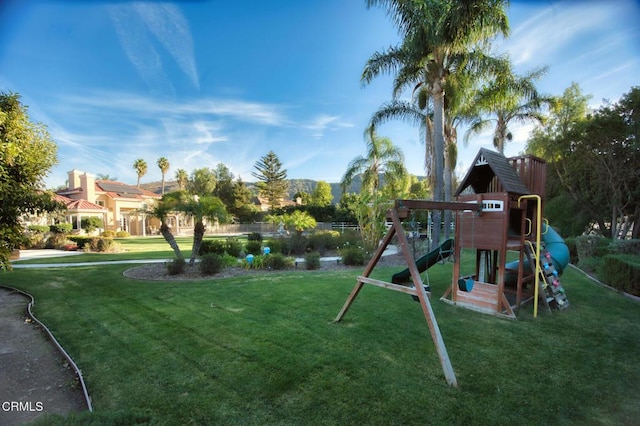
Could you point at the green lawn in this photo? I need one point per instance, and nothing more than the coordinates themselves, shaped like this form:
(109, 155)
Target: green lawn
(134, 248)
(264, 349)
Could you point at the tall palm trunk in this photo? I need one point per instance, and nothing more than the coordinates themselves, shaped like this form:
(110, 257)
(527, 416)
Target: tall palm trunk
(438, 154)
(198, 235)
(168, 236)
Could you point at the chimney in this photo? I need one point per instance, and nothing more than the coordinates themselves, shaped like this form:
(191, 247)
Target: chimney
(88, 184)
(74, 179)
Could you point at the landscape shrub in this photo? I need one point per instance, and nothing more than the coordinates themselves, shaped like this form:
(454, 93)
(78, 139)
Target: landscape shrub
(80, 241)
(254, 247)
(40, 229)
(211, 263)
(108, 233)
(350, 237)
(621, 272)
(56, 241)
(626, 247)
(176, 266)
(122, 234)
(61, 228)
(352, 255)
(254, 236)
(233, 247)
(312, 260)
(297, 244)
(229, 261)
(573, 252)
(278, 261)
(107, 245)
(276, 245)
(211, 246)
(591, 246)
(322, 241)
(257, 263)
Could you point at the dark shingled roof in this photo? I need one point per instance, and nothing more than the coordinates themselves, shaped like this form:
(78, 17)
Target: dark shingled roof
(486, 165)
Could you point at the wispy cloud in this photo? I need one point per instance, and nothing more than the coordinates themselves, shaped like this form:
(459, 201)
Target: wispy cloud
(323, 122)
(545, 33)
(139, 25)
(171, 28)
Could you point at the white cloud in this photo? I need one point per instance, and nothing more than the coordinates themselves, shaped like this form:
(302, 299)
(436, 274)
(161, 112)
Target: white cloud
(139, 25)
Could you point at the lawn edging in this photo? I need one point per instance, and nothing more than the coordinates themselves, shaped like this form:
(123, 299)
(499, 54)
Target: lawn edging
(51, 337)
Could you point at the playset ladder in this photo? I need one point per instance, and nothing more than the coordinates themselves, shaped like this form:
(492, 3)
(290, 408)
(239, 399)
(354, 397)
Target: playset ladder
(551, 291)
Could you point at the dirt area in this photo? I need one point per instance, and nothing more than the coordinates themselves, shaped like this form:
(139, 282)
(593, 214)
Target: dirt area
(35, 379)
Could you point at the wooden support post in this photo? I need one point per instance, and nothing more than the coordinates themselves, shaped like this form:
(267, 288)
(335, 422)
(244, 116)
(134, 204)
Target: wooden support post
(418, 290)
(441, 349)
(372, 263)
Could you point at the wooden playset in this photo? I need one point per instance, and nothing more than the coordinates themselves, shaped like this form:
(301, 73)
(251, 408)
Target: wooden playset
(498, 210)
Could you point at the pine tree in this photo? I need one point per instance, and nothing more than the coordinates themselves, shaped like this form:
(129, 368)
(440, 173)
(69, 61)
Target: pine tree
(272, 179)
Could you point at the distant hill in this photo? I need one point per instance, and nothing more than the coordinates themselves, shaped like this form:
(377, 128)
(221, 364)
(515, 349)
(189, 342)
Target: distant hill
(295, 185)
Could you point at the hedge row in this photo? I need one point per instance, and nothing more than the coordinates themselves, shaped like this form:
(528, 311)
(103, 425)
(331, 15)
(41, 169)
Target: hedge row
(622, 272)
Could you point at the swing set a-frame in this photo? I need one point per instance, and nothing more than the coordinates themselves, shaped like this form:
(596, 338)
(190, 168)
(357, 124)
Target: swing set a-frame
(401, 210)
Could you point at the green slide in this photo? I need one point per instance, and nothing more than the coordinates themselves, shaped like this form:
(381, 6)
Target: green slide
(427, 261)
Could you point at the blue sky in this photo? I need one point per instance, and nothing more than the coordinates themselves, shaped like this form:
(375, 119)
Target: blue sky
(208, 82)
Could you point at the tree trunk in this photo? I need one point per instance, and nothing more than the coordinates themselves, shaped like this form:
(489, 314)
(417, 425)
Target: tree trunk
(168, 236)
(198, 235)
(438, 155)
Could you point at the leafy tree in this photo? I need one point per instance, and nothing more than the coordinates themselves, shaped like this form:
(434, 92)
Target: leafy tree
(182, 177)
(507, 98)
(243, 209)
(272, 179)
(202, 182)
(90, 224)
(27, 153)
(305, 197)
(224, 185)
(163, 164)
(321, 195)
(140, 166)
(595, 158)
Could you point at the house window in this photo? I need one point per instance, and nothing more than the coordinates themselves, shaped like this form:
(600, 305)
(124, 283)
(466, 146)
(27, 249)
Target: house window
(100, 203)
(124, 224)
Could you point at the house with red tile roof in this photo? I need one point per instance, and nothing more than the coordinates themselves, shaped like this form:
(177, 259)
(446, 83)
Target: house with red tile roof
(122, 207)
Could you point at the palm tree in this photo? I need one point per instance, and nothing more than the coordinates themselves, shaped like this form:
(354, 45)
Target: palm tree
(105, 176)
(168, 203)
(163, 164)
(440, 38)
(383, 158)
(508, 98)
(182, 177)
(200, 208)
(140, 167)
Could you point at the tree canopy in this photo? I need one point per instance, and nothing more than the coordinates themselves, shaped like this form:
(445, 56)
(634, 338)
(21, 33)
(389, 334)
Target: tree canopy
(595, 158)
(27, 153)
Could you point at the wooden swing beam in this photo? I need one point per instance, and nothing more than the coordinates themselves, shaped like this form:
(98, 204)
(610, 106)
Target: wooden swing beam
(400, 210)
